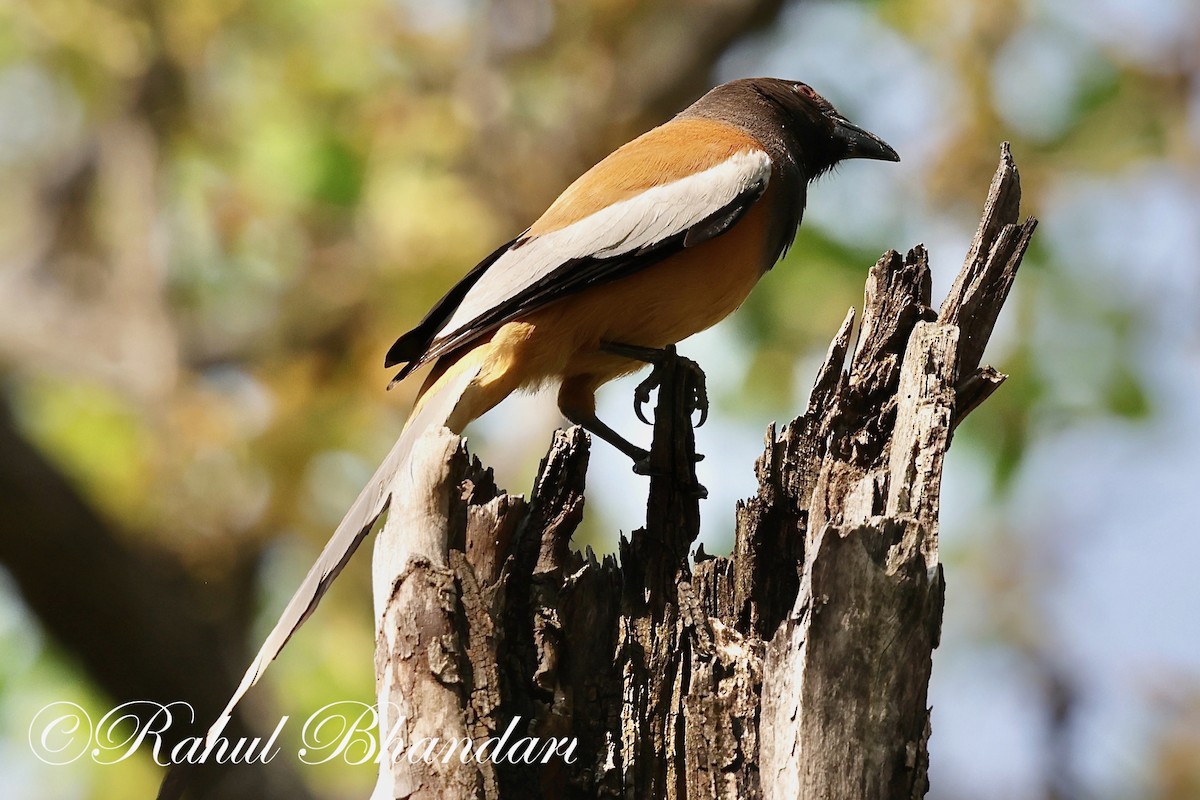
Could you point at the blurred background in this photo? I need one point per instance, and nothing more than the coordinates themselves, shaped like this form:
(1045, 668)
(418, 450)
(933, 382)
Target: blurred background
(217, 215)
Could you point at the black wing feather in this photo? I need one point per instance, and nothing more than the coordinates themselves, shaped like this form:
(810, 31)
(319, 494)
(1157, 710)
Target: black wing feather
(419, 346)
(412, 345)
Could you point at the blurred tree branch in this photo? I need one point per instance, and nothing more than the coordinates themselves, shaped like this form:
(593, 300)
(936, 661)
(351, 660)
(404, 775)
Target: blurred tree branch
(662, 56)
(132, 616)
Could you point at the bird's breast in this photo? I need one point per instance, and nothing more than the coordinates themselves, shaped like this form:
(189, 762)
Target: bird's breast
(662, 304)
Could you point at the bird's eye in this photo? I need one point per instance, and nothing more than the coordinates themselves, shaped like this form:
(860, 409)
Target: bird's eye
(805, 90)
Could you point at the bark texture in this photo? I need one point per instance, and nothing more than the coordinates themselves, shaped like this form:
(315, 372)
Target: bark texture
(798, 667)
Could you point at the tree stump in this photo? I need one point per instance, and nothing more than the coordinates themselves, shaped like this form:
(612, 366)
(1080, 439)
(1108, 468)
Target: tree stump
(798, 667)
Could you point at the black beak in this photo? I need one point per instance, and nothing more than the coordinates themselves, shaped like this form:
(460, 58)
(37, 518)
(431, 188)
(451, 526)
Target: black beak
(861, 143)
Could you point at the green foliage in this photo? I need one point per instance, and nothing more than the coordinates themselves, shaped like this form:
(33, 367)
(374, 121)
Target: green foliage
(339, 174)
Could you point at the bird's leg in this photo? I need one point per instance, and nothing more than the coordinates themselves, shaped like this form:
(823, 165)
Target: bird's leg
(686, 394)
(592, 424)
(657, 357)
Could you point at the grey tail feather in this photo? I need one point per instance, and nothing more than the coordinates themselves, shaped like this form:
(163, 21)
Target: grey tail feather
(372, 501)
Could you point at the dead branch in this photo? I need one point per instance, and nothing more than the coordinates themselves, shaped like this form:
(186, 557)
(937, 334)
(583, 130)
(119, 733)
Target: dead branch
(796, 667)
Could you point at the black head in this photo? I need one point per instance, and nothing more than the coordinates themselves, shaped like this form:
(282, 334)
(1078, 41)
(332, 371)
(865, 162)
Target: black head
(792, 116)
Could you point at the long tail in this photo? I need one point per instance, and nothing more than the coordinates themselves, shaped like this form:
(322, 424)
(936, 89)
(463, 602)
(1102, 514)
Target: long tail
(437, 406)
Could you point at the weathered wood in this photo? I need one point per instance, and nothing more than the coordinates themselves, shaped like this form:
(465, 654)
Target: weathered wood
(851, 664)
(420, 669)
(797, 667)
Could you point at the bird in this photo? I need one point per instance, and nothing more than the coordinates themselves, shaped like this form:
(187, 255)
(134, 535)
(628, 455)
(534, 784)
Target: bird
(661, 239)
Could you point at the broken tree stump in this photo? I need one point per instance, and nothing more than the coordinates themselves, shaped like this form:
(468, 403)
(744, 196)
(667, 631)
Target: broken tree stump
(797, 667)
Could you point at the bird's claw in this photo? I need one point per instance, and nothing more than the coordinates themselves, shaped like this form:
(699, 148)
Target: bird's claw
(699, 390)
(641, 395)
(642, 467)
(657, 357)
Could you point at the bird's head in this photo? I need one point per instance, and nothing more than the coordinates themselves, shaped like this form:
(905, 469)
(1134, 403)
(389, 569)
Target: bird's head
(811, 129)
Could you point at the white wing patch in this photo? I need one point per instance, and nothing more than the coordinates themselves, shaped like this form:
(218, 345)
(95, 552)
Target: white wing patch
(640, 221)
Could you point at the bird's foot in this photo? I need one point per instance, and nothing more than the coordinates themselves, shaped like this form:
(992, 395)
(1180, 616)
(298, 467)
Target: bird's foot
(694, 382)
(643, 467)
